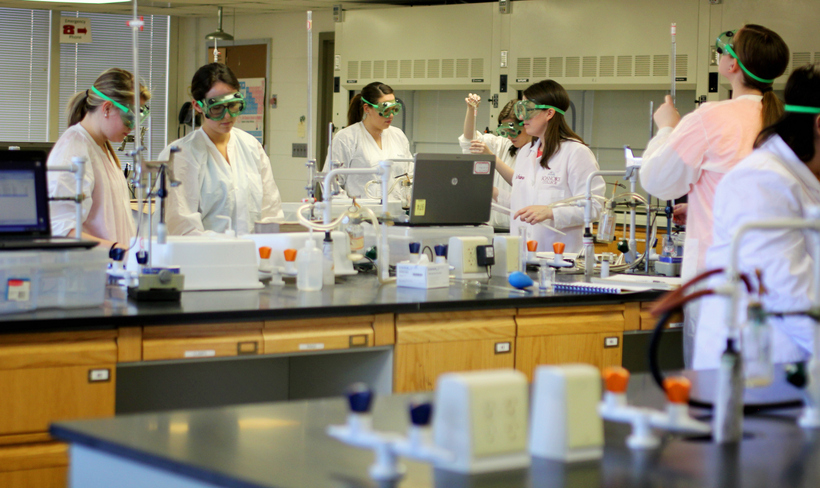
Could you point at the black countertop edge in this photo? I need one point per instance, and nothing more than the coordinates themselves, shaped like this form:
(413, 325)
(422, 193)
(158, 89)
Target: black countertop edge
(131, 454)
(97, 319)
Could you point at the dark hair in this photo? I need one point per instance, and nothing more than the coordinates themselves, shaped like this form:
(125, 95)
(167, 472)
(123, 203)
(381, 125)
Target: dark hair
(549, 92)
(206, 77)
(797, 129)
(764, 53)
(372, 93)
(508, 112)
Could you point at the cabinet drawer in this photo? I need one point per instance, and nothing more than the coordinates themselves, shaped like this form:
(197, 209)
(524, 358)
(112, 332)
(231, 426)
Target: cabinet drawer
(160, 348)
(42, 465)
(577, 320)
(318, 338)
(455, 326)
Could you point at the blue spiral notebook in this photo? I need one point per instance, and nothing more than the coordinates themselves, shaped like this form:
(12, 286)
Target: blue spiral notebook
(587, 288)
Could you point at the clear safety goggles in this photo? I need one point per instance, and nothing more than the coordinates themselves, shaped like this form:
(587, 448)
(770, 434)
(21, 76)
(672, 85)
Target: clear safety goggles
(386, 109)
(725, 44)
(509, 129)
(526, 109)
(126, 112)
(217, 108)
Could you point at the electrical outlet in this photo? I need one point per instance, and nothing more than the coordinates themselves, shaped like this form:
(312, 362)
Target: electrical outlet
(299, 150)
(462, 254)
(470, 259)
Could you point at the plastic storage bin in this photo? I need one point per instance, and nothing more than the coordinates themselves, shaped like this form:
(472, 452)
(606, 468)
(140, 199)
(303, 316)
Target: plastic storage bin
(71, 278)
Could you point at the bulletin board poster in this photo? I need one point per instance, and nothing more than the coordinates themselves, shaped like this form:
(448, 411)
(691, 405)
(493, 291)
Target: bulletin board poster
(252, 120)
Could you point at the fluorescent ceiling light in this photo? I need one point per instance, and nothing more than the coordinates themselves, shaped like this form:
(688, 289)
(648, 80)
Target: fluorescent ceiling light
(80, 1)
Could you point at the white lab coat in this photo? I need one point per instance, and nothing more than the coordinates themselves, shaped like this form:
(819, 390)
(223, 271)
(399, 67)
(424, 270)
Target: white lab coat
(107, 206)
(500, 146)
(354, 147)
(212, 188)
(567, 176)
(771, 183)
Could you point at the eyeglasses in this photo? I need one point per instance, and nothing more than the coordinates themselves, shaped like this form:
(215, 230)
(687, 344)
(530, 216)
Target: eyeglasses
(509, 129)
(526, 109)
(217, 108)
(126, 112)
(385, 109)
(725, 44)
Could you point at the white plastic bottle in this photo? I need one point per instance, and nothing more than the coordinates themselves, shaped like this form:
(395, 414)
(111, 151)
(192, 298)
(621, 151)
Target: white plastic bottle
(309, 267)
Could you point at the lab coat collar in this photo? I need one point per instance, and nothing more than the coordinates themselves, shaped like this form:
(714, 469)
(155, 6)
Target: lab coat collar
(757, 98)
(777, 146)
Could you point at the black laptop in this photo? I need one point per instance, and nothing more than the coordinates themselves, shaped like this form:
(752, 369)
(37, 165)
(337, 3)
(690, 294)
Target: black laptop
(451, 189)
(24, 218)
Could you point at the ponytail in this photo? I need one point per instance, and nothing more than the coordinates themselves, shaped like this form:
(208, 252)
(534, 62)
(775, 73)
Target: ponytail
(77, 107)
(355, 112)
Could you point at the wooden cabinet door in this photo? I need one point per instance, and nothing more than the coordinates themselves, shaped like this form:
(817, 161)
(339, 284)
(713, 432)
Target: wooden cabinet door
(54, 380)
(591, 335)
(430, 344)
(42, 465)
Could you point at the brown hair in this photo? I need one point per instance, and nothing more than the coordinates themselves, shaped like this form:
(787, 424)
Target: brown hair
(115, 83)
(549, 92)
(372, 93)
(508, 112)
(207, 76)
(764, 53)
(797, 129)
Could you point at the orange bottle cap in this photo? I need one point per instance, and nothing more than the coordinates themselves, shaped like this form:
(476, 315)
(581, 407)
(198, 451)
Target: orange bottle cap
(616, 379)
(532, 246)
(558, 247)
(264, 252)
(677, 389)
(290, 254)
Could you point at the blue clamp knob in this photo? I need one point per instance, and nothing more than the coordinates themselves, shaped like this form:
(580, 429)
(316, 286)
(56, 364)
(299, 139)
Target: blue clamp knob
(420, 413)
(142, 257)
(360, 396)
(440, 250)
(116, 254)
(415, 247)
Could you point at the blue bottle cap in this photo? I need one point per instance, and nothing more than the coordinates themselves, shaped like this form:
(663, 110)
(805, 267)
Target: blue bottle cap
(142, 257)
(440, 250)
(359, 396)
(420, 413)
(415, 247)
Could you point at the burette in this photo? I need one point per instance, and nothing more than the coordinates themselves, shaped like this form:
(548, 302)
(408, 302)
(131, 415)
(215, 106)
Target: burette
(673, 62)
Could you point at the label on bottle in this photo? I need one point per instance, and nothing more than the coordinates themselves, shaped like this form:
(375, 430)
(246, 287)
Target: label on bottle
(356, 243)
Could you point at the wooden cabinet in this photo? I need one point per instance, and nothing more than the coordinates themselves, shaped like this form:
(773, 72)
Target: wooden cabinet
(202, 341)
(282, 336)
(559, 335)
(41, 465)
(429, 344)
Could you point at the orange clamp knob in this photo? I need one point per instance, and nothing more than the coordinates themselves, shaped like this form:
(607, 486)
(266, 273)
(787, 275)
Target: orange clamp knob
(264, 252)
(290, 254)
(532, 246)
(558, 247)
(616, 379)
(677, 389)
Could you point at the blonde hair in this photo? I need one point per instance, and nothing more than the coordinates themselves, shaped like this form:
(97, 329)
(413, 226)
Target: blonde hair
(115, 83)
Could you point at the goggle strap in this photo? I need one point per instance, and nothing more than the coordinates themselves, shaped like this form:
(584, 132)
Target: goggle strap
(801, 109)
(552, 107)
(751, 75)
(106, 97)
(371, 104)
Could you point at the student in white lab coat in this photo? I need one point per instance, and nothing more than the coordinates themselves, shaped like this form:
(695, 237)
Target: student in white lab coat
(555, 166)
(509, 137)
(96, 117)
(224, 170)
(780, 179)
(369, 138)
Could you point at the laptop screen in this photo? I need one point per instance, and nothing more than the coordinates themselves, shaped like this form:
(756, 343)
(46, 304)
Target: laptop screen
(23, 194)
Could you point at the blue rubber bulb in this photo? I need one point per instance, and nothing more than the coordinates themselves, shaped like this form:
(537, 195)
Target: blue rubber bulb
(359, 396)
(519, 280)
(420, 413)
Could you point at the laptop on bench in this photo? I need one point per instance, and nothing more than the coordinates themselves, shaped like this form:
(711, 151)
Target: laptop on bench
(24, 213)
(451, 189)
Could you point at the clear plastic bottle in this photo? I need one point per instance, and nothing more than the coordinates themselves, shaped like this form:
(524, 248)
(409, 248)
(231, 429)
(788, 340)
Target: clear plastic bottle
(355, 231)
(309, 267)
(328, 268)
(757, 348)
(606, 226)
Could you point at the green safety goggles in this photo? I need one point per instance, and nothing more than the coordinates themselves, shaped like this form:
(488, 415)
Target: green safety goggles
(127, 113)
(386, 109)
(217, 108)
(801, 109)
(725, 45)
(526, 109)
(509, 129)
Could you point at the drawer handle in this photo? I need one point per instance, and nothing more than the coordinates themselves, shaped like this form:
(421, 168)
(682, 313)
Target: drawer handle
(359, 340)
(247, 347)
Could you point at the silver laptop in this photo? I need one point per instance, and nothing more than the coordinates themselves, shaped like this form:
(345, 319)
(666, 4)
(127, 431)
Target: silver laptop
(451, 189)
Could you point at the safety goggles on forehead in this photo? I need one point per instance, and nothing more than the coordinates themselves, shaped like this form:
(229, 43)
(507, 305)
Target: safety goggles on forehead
(725, 44)
(217, 108)
(126, 112)
(526, 109)
(509, 129)
(385, 109)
